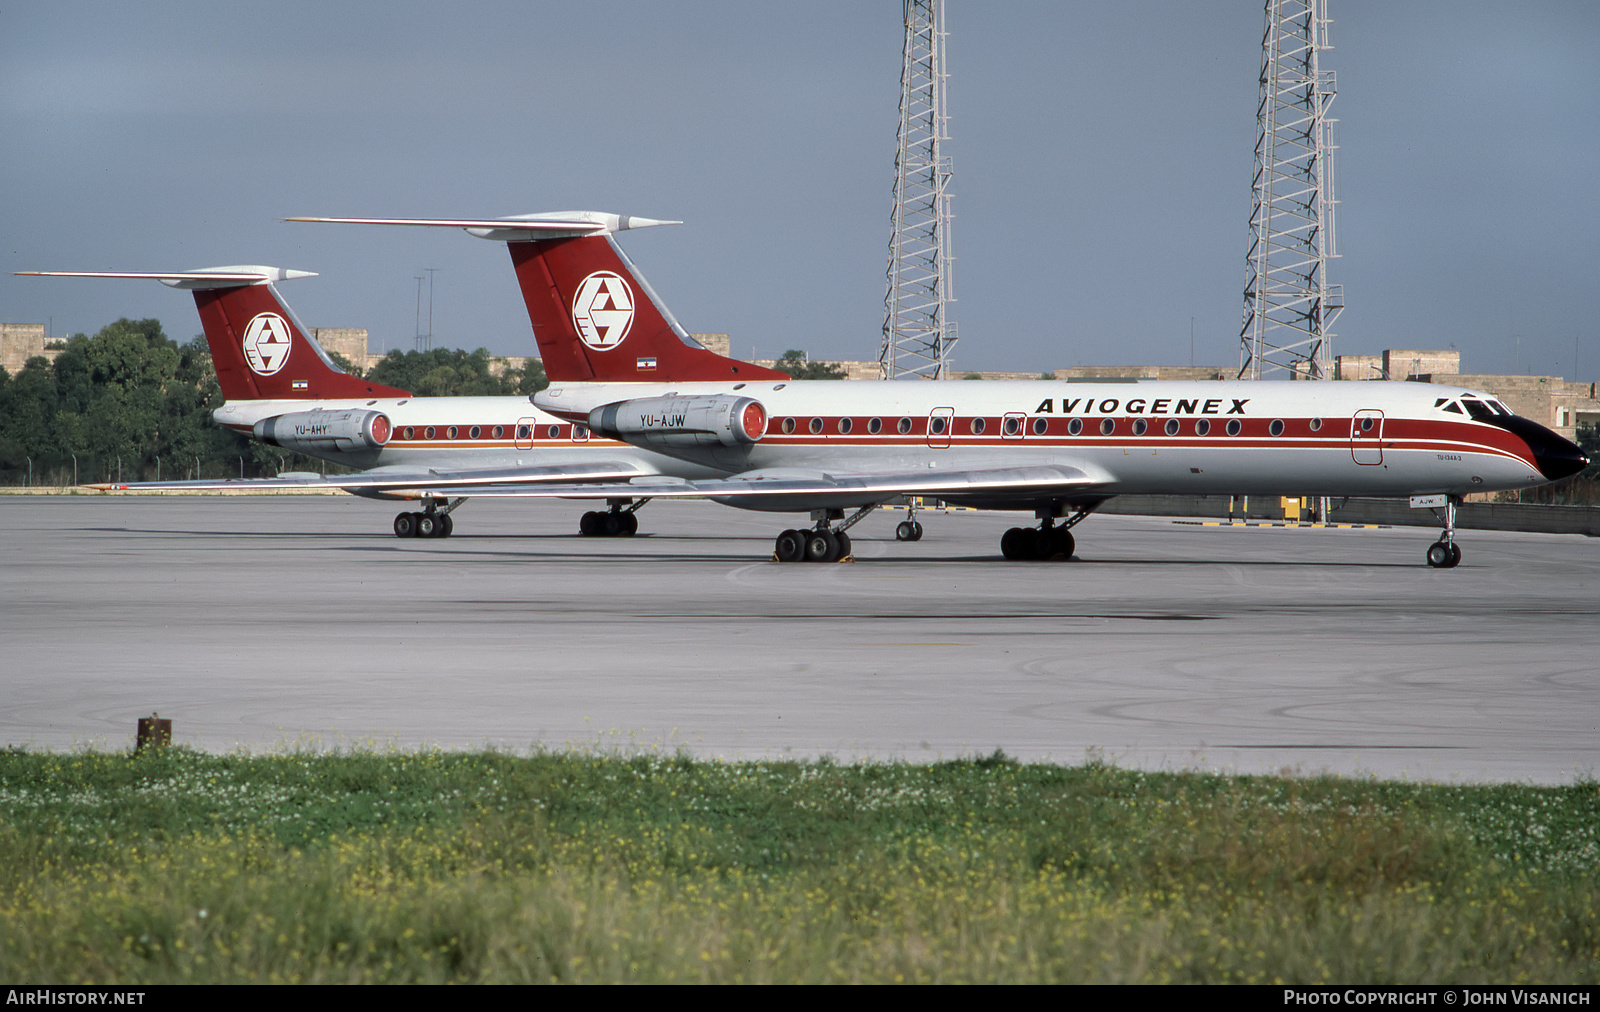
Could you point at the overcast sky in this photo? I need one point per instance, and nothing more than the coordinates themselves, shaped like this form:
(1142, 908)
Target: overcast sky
(1102, 158)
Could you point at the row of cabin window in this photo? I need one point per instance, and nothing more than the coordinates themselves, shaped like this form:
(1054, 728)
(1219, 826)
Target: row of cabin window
(497, 432)
(1012, 425)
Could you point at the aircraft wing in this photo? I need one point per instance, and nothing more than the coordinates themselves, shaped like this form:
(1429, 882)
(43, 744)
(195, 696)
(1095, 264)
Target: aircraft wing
(821, 486)
(407, 481)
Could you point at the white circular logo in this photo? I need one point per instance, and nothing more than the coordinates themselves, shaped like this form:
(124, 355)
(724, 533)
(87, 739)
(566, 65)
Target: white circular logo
(603, 310)
(267, 343)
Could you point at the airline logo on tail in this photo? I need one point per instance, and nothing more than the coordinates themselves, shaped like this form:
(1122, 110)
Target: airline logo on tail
(267, 343)
(602, 311)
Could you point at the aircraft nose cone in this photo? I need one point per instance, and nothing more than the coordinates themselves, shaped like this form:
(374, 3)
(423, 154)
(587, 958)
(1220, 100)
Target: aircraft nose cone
(1557, 462)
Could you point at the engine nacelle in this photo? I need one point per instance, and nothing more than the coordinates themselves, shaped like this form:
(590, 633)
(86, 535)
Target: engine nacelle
(698, 420)
(325, 431)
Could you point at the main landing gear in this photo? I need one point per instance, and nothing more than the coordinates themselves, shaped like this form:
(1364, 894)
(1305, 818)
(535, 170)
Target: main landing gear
(823, 543)
(613, 523)
(1445, 553)
(433, 522)
(1042, 543)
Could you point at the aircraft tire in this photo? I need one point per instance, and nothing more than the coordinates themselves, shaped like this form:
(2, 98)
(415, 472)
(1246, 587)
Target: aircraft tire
(822, 546)
(587, 525)
(446, 525)
(1455, 555)
(610, 524)
(916, 530)
(844, 545)
(405, 525)
(791, 546)
(630, 525)
(1030, 545)
(1061, 543)
(1440, 556)
(905, 530)
(1008, 544)
(427, 525)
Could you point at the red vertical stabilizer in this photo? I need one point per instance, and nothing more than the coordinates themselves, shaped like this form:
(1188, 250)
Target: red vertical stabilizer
(261, 352)
(596, 319)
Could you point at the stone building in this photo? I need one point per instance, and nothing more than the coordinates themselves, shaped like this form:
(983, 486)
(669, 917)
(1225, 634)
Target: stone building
(22, 341)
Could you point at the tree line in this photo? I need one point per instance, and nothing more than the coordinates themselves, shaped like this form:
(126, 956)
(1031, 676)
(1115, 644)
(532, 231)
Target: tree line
(131, 404)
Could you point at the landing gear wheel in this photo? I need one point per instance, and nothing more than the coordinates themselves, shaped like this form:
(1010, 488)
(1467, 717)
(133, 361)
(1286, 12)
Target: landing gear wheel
(427, 525)
(405, 525)
(611, 524)
(905, 530)
(844, 544)
(589, 524)
(1440, 556)
(1455, 555)
(1061, 543)
(822, 546)
(630, 525)
(446, 525)
(916, 532)
(1010, 543)
(791, 546)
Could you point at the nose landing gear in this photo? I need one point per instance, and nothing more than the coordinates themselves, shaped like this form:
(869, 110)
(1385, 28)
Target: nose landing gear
(1445, 553)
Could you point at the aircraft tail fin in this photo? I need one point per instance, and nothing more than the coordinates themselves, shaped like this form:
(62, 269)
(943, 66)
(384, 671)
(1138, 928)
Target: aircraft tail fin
(594, 317)
(259, 348)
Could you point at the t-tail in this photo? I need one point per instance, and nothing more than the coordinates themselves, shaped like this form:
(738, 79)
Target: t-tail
(259, 348)
(593, 316)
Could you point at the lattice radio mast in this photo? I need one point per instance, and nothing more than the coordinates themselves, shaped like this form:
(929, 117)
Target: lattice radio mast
(1289, 307)
(917, 332)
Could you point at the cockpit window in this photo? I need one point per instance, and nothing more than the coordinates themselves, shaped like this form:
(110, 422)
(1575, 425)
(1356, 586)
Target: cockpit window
(1453, 407)
(1479, 411)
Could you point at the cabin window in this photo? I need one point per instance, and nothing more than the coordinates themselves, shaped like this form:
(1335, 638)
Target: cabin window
(904, 426)
(816, 426)
(978, 426)
(427, 433)
(524, 432)
(874, 425)
(1172, 426)
(845, 425)
(450, 433)
(1276, 428)
(1202, 427)
(1075, 426)
(411, 433)
(788, 426)
(1108, 426)
(936, 425)
(499, 430)
(1041, 426)
(1139, 426)
(1316, 424)
(1012, 426)
(1234, 427)
(554, 432)
(475, 431)
(1367, 423)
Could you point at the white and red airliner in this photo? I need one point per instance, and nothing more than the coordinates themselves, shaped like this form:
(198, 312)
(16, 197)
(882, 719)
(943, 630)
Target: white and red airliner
(282, 389)
(621, 367)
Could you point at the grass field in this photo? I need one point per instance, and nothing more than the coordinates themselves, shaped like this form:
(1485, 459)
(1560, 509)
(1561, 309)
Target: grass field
(433, 867)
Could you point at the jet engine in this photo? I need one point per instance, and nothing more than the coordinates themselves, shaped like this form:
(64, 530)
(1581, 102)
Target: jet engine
(698, 420)
(315, 432)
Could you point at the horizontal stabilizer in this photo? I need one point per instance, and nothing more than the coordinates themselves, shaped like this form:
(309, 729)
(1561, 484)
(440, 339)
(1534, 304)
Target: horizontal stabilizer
(402, 482)
(521, 227)
(201, 280)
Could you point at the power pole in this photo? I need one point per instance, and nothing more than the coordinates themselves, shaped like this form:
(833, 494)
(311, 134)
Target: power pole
(917, 332)
(1289, 307)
